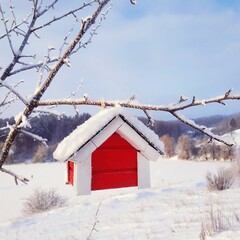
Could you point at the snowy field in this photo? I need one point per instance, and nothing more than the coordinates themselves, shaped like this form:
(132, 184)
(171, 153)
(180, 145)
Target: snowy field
(174, 208)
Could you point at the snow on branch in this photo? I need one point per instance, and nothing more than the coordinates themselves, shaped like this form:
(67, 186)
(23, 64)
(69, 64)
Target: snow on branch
(93, 31)
(40, 13)
(55, 19)
(201, 129)
(134, 104)
(220, 100)
(6, 100)
(74, 93)
(48, 111)
(65, 39)
(16, 177)
(5, 21)
(182, 104)
(4, 105)
(29, 108)
(15, 27)
(6, 127)
(150, 119)
(11, 89)
(43, 141)
(17, 53)
(31, 66)
(44, 66)
(30, 26)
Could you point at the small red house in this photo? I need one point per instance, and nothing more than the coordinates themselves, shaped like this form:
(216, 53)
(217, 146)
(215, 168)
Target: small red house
(110, 150)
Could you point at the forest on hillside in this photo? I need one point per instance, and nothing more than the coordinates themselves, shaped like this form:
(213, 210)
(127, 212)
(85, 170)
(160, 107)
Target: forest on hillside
(178, 138)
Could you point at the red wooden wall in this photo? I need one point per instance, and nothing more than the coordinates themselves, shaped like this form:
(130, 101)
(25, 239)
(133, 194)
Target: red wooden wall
(70, 171)
(114, 164)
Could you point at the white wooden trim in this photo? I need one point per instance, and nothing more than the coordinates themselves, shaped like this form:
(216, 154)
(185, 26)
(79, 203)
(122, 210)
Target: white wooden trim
(83, 176)
(126, 132)
(100, 138)
(150, 153)
(143, 171)
(111, 128)
(84, 152)
(66, 173)
(131, 136)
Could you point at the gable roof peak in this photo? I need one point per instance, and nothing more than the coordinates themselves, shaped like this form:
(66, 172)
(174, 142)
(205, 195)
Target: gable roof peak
(93, 126)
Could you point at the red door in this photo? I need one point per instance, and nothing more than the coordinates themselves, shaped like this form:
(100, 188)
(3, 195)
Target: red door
(70, 166)
(114, 164)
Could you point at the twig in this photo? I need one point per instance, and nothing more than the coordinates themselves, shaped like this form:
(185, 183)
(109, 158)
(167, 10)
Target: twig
(31, 66)
(129, 104)
(16, 177)
(7, 31)
(86, 24)
(46, 8)
(35, 137)
(63, 16)
(11, 89)
(93, 32)
(16, 27)
(150, 119)
(172, 109)
(67, 36)
(44, 66)
(201, 129)
(74, 93)
(17, 54)
(95, 221)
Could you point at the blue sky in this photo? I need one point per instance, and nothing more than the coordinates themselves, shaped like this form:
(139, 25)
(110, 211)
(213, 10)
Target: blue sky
(159, 50)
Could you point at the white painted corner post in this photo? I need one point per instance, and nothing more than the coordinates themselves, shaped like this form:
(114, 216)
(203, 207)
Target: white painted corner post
(143, 171)
(83, 176)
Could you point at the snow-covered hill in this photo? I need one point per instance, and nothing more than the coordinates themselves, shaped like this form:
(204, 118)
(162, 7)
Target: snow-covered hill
(233, 137)
(174, 208)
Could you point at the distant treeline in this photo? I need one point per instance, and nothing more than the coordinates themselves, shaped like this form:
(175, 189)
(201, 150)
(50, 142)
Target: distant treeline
(174, 134)
(48, 126)
(219, 125)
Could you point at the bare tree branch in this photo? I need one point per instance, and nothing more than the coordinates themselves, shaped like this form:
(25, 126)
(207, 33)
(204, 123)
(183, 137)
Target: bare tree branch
(4, 20)
(18, 53)
(8, 99)
(86, 24)
(93, 32)
(43, 141)
(31, 66)
(150, 119)
(55, 19)
(30, 26)
(46, 8)
(11, 89)
(16, 177)
(201, 129)
(16, 27)
(220, 99)
(129, 104)
(172, 109)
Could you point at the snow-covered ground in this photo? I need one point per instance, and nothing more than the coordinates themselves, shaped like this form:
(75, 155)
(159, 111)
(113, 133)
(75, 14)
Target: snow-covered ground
(174, 208)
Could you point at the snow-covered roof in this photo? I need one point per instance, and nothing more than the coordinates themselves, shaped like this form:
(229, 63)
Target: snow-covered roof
(93, 126)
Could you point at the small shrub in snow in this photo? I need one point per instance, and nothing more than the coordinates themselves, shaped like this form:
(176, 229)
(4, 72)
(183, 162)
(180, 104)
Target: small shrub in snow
(221, 180)
(215, 221)
(43, 200)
